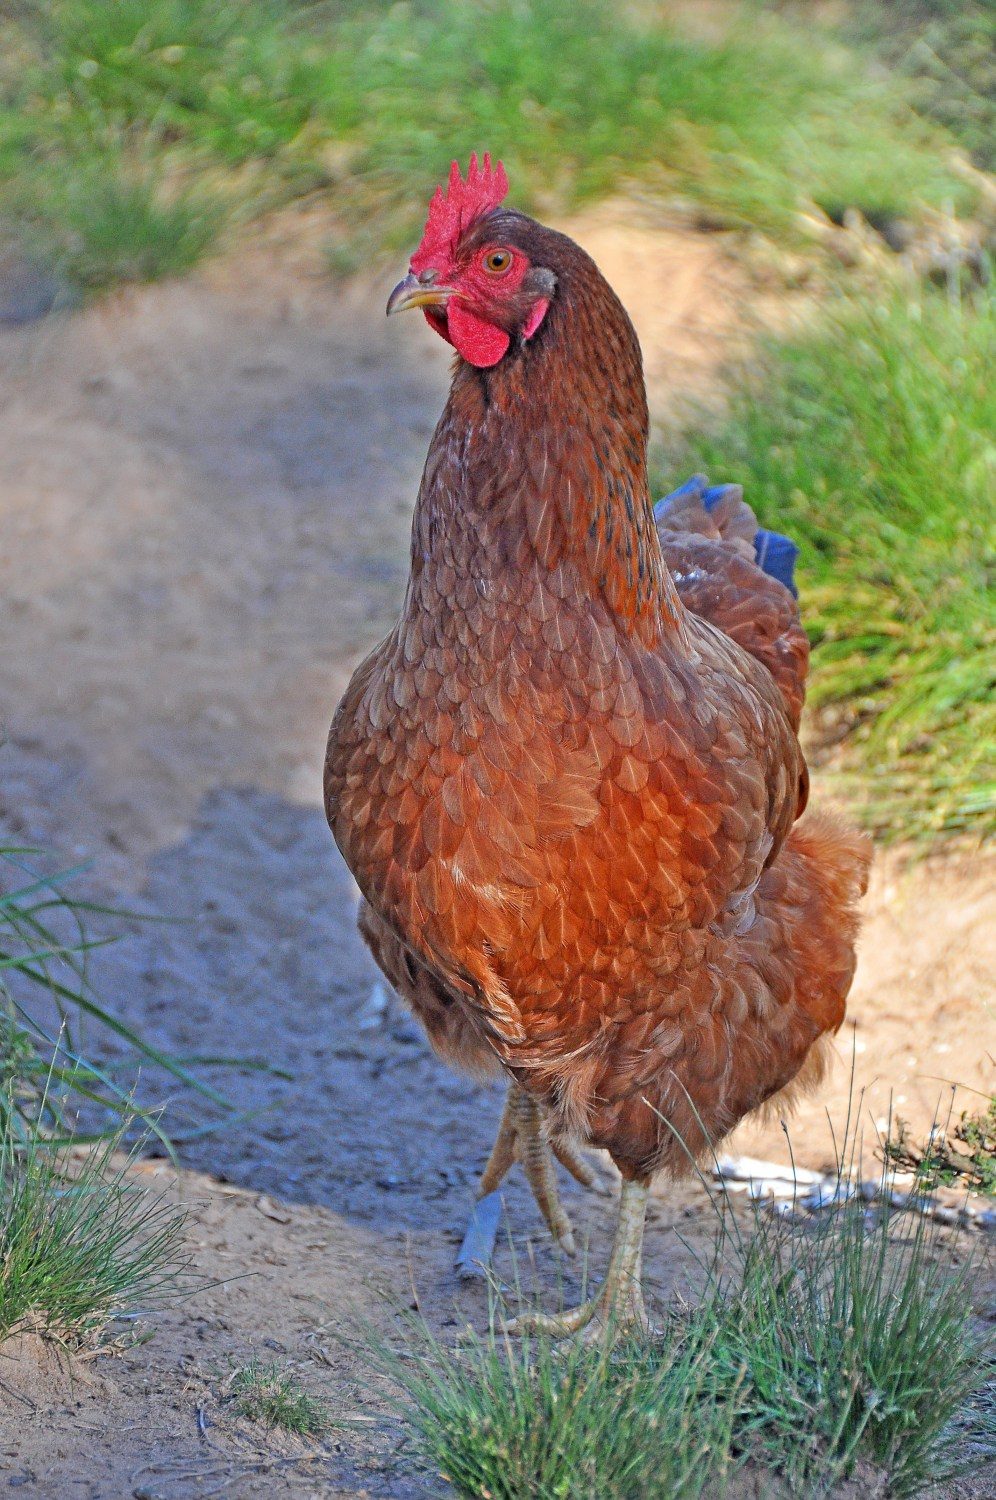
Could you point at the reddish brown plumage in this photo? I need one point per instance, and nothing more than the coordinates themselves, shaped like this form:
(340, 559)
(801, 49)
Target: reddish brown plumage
(566, 782)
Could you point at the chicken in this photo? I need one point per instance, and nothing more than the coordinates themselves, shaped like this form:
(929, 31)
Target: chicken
(568, 782)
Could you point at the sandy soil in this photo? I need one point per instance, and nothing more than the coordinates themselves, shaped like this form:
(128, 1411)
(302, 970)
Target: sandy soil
(206, 490)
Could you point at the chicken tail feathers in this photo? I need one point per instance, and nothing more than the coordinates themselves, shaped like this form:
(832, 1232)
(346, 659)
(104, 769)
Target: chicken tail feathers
(737, 575)
(775, 555)
(719, 511)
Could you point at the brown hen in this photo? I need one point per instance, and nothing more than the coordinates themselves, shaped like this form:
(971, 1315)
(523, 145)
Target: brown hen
(567, 783)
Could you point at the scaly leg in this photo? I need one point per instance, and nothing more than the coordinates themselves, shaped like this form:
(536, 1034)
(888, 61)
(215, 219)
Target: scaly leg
(618, 1304)
(521, 1139)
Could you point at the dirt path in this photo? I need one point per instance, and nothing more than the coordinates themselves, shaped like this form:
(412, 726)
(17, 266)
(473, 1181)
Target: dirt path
(205, 491)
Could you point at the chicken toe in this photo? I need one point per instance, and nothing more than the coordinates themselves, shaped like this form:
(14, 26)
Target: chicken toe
(617, 1306)
(521, 1138)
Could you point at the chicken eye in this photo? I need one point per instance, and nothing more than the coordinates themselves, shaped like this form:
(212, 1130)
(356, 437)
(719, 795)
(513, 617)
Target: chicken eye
(497, 261)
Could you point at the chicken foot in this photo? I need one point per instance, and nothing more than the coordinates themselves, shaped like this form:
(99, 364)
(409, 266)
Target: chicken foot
(521, 1138)
(618, 1304)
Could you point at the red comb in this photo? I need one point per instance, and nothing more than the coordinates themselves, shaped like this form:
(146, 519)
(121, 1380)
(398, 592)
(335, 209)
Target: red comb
(452, 212)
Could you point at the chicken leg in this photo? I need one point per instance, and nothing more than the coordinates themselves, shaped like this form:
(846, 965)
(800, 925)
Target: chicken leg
(521, 1138)
(618, 1304)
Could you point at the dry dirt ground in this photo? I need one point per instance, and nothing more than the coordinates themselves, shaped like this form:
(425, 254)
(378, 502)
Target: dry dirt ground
(205, 491)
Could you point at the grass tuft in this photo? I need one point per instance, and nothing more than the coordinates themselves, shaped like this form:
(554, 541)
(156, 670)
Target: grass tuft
(514, 1419)
(848, 1347)
(78, 1242)
(869, 439)
(272, 1395)
(838, 1348)
(102, 227)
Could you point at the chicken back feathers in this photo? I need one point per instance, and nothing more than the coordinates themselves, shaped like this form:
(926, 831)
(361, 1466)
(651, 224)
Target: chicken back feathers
(566, 782)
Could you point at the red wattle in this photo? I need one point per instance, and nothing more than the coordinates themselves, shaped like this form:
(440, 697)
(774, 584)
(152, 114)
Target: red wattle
(437, 322)
(481, 344)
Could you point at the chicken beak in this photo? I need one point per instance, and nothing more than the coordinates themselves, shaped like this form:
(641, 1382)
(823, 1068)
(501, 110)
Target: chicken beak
(413, 292)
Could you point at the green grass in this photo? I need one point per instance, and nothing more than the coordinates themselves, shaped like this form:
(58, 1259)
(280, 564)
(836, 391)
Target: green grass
(516, 1419)
(959, 1153)
(103, 227)
(871, 440)
(851, 1347)
(947, 48)
(131, 130)
(79, 1243)
(53, 1028)
(825, 1352)
(273, 1395)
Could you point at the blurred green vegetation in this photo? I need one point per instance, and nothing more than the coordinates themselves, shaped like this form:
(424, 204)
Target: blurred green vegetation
(132, 130)
(947, 49)
(871, 440)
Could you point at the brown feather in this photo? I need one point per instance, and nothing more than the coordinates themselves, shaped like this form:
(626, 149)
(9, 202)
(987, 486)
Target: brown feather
(566, 782)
